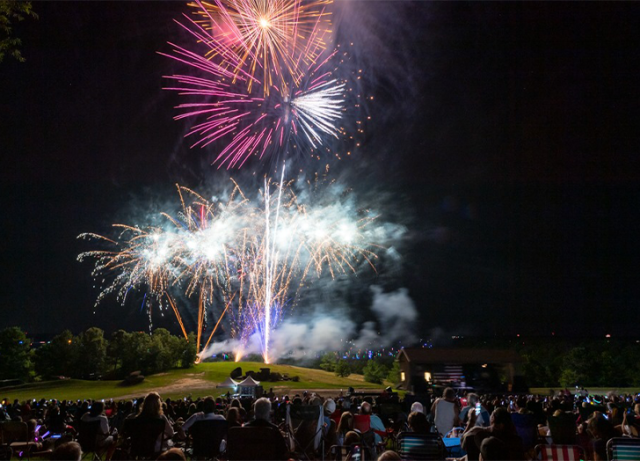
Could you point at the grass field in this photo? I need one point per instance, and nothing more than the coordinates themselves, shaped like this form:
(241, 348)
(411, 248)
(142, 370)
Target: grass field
(198, 381)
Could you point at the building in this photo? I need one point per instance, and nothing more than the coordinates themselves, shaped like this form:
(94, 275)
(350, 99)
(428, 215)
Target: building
(423, 370)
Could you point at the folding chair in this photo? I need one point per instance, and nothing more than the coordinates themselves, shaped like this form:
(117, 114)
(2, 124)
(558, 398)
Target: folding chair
(559, 452)
(88, 439)
(623, 449)
(305, 421)
(527, 429)
(563, 429)
(251, 443)
(412, 446)
(15, 436)
(206, 436)
(144, 435)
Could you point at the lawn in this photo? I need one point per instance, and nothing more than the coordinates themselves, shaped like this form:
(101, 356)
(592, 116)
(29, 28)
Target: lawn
(198, 381)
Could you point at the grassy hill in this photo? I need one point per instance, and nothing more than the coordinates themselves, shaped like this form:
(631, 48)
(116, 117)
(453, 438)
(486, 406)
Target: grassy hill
(200, 380)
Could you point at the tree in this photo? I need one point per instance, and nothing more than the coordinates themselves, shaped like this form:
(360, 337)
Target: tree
(328, 362)
(58, 358)
(374, 372)
(394, 373)
(343, 369)
(136, 350)
(12, 11)
(189, 352)
(92, 353)
(15, 351)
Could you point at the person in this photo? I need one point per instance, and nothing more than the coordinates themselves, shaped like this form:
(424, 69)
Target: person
(262, 418)
(446, 411)
(233, 417)
(208, 413)
(375, 423)
(172, 454)
(104, 439)
(500, 426)
(418, 423)
(152, 409)
(329, 426)
(472, 403)
(602, 431)
(345, 425)
(69, 451)
(417, 406)
(389, 455)
(493, 449)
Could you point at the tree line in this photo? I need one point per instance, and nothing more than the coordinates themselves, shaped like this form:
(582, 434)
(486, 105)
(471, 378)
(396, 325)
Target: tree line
(90, 355)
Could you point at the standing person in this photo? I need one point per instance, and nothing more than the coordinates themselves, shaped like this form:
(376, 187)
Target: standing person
(446, 411)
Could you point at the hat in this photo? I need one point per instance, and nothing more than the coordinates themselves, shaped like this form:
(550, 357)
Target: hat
(417, 406)
(329, 406)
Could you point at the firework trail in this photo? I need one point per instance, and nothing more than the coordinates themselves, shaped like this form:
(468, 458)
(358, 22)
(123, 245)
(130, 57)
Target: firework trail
(248, 258)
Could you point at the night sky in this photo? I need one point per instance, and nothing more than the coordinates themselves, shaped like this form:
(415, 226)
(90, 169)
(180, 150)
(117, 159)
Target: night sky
(506, 133)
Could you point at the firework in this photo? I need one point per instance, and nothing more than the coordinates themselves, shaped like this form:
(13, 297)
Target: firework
(297, 113)
(246, 258)
(267, 41)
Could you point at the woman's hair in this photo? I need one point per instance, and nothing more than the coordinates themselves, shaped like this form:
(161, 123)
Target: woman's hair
(233, 415)
(351, 437)
(418, 422)
(151, 407)
(346, 423)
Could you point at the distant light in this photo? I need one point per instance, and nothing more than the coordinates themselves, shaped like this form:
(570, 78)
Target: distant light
(608, 336)
(427, 376)
(402, 376)
(484, 365)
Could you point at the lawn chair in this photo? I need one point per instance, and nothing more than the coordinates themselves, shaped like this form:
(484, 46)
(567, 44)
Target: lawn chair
(306, 422)
(559, 452)
(251, 443)
(563, 429)
(623, 449)
(143, 436)
(15, 437)
(206, 436)
(88, 439)
(527, 429)
(419, 447)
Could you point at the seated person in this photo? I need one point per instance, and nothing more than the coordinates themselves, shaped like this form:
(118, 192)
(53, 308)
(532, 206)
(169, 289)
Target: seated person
(262, 415)
(104, 439)
(500, 427)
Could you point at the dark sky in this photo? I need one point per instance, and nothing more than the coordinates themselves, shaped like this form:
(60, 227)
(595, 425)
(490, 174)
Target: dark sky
(508, 132)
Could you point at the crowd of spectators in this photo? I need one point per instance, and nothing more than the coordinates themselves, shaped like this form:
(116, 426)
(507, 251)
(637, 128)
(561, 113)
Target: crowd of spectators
(488, 427)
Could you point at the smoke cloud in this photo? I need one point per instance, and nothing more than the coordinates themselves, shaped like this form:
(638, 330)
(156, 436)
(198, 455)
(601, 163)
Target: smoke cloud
(394, 314)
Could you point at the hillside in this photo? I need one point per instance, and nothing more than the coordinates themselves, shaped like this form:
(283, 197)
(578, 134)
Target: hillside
(200, 380)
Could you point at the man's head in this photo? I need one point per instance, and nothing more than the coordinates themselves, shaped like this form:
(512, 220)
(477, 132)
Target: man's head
(262, 409)
(449, 394)
(209, 405)
(365, 408)
(472, 399)
(501, 419)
